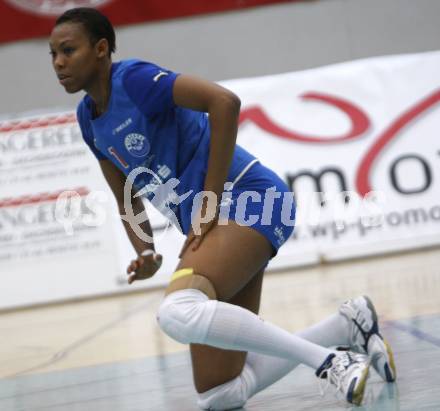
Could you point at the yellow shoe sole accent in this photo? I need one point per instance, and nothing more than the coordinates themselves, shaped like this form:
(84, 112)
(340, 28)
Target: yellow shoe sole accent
(358, 394)
(391, 357)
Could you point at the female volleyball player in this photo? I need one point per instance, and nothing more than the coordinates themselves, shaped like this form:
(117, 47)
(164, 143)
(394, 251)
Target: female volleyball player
(180, 128)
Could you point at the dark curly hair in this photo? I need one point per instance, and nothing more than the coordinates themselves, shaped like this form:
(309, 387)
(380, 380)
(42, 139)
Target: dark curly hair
(96, 24)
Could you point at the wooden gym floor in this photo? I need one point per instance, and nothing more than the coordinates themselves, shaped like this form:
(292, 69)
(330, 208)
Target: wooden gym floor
(109, 354)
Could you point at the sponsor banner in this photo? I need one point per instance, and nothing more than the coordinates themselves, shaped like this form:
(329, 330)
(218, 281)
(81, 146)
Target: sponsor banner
(356, 142)
(60, 233)
(358, 145)
(23, 19)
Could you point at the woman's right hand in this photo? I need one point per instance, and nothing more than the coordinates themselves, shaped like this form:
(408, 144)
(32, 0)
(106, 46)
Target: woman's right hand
(145, 266)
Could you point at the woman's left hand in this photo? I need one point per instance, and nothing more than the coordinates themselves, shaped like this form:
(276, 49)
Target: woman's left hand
(145, 266)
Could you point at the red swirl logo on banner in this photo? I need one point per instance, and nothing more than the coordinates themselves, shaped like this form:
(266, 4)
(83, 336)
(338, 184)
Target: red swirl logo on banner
(54, 7)
(360, 123)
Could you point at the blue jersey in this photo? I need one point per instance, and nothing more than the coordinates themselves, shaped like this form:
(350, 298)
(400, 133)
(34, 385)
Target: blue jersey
(143, 127)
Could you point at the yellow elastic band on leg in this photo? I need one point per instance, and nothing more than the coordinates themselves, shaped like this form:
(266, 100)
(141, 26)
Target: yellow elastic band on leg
(181, 273)
(186, 278)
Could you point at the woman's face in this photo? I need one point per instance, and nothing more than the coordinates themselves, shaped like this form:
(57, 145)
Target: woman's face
(74, 58)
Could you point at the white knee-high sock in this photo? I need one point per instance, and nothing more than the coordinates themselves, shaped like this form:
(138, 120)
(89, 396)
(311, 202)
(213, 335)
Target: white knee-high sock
(333, 331)
(190, 317)
(251, 333)
(260, 370)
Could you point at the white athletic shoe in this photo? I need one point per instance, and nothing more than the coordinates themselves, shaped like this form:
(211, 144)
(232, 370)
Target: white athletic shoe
(348, 371)
(365, 337)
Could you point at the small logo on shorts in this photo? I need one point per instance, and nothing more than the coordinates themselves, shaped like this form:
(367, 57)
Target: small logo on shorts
(137, 144)
(279, 234)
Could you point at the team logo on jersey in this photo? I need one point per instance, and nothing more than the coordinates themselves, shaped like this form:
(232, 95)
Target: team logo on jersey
(54, 7)
(137, 144)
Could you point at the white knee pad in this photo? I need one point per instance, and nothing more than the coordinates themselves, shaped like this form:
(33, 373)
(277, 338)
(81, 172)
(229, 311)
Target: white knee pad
(230, 395)
(185, 315)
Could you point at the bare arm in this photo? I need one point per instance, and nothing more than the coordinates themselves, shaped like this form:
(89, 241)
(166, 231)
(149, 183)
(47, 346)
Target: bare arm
(116, 180)
(223, 107)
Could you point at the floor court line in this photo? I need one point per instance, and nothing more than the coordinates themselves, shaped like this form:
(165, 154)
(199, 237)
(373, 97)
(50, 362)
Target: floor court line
(421, 335)
(63, 353)
(116, 358)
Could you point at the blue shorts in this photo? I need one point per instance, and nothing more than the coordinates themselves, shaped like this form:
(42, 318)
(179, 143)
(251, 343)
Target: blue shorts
(261, 200)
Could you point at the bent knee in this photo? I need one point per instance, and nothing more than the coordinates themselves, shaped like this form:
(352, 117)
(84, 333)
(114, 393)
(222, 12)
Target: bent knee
(185, 315)
(230, 395)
